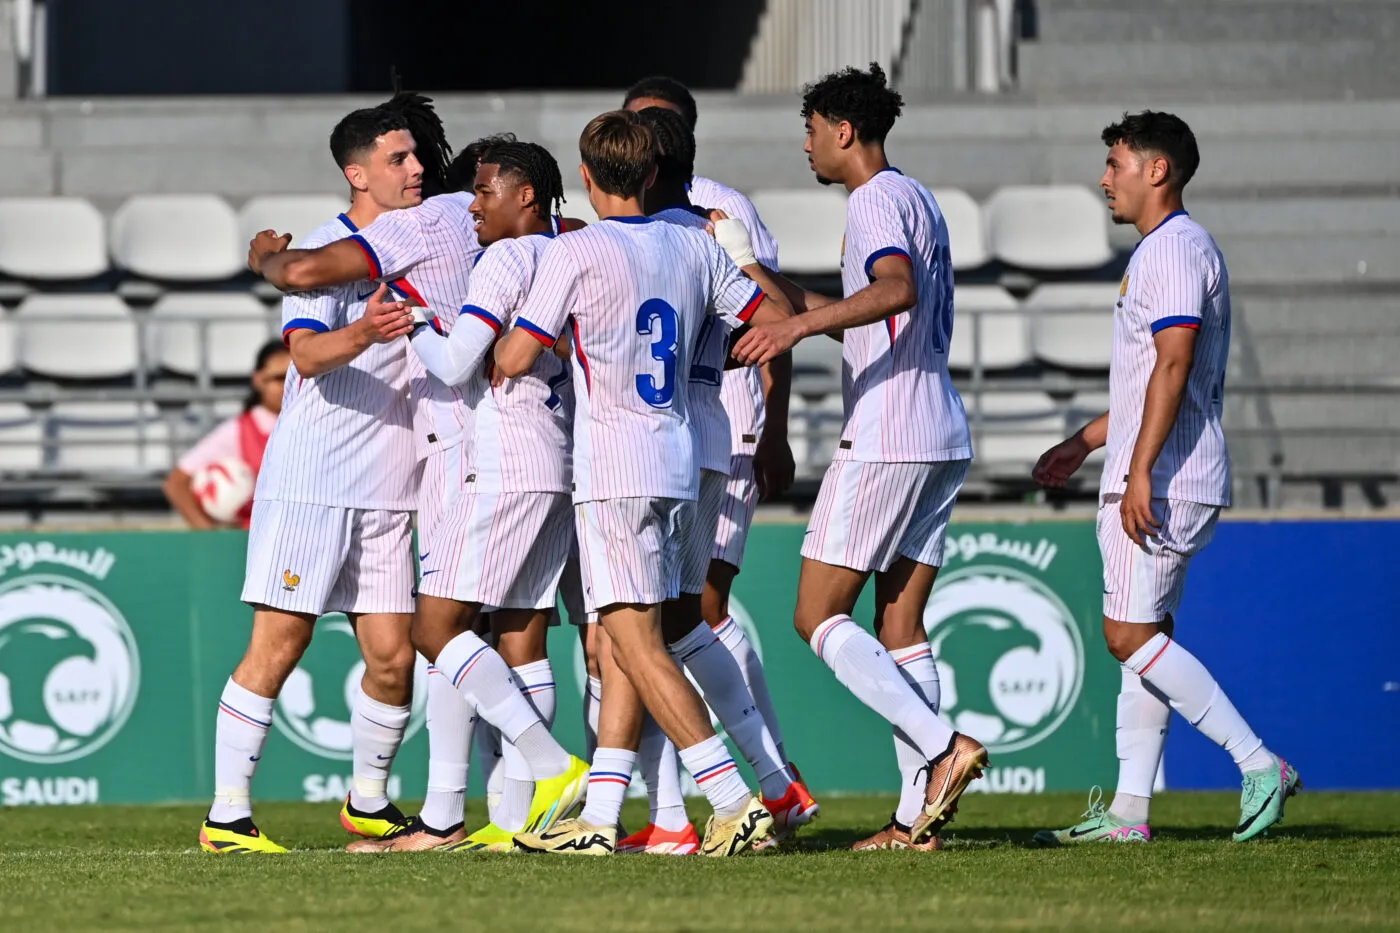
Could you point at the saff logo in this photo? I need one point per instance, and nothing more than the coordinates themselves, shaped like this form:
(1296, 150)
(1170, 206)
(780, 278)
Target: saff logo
(69, 669)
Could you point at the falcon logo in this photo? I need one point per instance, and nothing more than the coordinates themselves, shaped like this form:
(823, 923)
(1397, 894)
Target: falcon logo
(290, 580)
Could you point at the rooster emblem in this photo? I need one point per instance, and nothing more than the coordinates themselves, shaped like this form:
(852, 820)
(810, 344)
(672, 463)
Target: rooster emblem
(290, 580)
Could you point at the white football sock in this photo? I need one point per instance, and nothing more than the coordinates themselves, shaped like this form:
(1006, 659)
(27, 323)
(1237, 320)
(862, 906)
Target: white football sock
(661, 770)
(451, 723)
(491, 760)
(1143, 717)
(376, 731)
(866, 669)
(733, 637)
(1193, 693)
(710, 763)
(916, 666)
(483, 678)
(518, 786)
(592, 703)
(722, 683)
(608, 778)
(240, 729)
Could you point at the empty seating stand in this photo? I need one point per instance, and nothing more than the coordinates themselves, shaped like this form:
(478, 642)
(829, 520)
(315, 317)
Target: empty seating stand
(294, 214)
(76, 337)
(178, 238)
(214, 332)
(808, 225)
(51, 239)
(1048, 227)
(1072, 324)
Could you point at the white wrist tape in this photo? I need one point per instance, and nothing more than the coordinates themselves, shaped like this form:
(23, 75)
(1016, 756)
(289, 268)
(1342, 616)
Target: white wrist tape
(734, 237)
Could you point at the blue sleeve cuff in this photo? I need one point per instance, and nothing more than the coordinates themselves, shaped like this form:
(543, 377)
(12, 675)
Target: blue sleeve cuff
(1181, 320)
(486, 317)
(375, 269)
(539, 333)
(303, 323)
(881, 254)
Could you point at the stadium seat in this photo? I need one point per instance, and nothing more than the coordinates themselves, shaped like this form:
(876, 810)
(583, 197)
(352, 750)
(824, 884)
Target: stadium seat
(21, 438)
(1005, 342)
(967, 234)
(76, 336)
(287, 213)
(814, 427)
(808, 225)
(1049, 227)
(178, 237)
(9, 356)
(51, 239)
(98, 437)
(239, 324)
(816, 367)
(1072, 325)
(1014, 429)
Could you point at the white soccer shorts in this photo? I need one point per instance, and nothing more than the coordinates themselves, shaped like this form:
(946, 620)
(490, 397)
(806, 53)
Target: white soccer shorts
(571, 592)
(1145, 584)
(868, 515)
(505, 550)
(320, 558)
(630, 549)
(736, 512)
(436, 491)
(699, 542)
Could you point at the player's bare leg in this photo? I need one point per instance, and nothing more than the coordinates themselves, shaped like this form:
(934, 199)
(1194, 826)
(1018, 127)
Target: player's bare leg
(588, 637)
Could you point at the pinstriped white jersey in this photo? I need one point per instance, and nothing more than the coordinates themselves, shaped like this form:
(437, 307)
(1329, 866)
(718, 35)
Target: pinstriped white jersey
(637, 292)
(425, 254)
(1176, 278)
(344, 438)
(899, 401)
(708, 421)
(742, 392)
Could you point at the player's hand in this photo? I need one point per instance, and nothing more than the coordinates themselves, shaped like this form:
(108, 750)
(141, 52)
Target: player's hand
(264, 244)
(773, 466)
(1136, 510)
(734, 237)
(386, 319)
(1058, 464)
(765, 341)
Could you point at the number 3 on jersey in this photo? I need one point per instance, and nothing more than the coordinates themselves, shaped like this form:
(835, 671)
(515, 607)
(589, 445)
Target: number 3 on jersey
(657, 319)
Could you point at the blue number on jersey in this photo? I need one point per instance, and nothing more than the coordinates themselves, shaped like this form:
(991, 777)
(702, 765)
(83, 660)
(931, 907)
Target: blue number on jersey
(655, 312)
(699, 372)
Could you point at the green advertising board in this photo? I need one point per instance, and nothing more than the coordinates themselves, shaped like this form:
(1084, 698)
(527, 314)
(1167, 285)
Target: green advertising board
(114, 648)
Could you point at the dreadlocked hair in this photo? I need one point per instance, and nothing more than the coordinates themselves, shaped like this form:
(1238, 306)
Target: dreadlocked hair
(429, 137)
(461, 174)
(675, 143)
(862, 98)
(534, 166)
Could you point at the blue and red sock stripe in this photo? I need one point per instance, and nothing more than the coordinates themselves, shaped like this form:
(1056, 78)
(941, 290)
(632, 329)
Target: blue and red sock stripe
(243, 717)
(468, 664)
(609, 777)
(714, 771)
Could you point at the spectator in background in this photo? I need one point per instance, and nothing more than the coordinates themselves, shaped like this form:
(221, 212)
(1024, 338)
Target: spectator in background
(243, 437)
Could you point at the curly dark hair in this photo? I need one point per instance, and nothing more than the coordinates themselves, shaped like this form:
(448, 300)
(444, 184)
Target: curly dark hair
(667, 89)
(675, 144)
(533, 165)
(1157, 132)
(862, 98)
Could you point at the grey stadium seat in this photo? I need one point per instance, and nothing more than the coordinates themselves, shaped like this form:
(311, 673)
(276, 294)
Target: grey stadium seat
(1005, 337)
(21, 438)
(239, 326)
(9, 355)
(178, 237)
(99, 437)
(288, 213)
(76, 336)
(1048, 227)
(1015, 429)
(51, 239)
(1072, 325)
(808, 226)
(967, 232)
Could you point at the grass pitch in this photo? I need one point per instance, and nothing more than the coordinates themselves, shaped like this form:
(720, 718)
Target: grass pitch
(1334, 864)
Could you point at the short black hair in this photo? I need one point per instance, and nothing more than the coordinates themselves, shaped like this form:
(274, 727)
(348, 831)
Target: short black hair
(356, 132)
(533, 165)
(461, 174)
(862, 98)
(675, 144)
(1158, 132)
(667, 89)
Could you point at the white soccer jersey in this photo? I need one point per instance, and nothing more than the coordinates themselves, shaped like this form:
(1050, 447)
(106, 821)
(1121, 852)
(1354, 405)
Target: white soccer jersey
(742, 392)
(1176, 278)
(425, 254)
(707, 416)
(637, 292)
(899, 401)
(521, 431)
(344, 438)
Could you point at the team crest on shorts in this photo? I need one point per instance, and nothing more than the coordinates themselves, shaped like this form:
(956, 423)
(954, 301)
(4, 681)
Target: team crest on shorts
(290, 580)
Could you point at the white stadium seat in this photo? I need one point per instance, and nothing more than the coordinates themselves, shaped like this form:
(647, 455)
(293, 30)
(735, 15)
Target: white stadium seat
(1005, 338)
(239, 326)
(1049, 227)
(178, 237)
(99, 437)
(76, 336)
(1014, 429)
(967, 233)
(21, 438)
(51, 239)
(288, 213)
(1072, 325)
(9, 352)
(808, 226)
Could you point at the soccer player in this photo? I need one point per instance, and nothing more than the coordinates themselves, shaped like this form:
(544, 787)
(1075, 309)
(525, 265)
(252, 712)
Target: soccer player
(885, 501)
(637, 292)
(426, 254)
(1166, 477)
(331, 523)
(506, 536)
